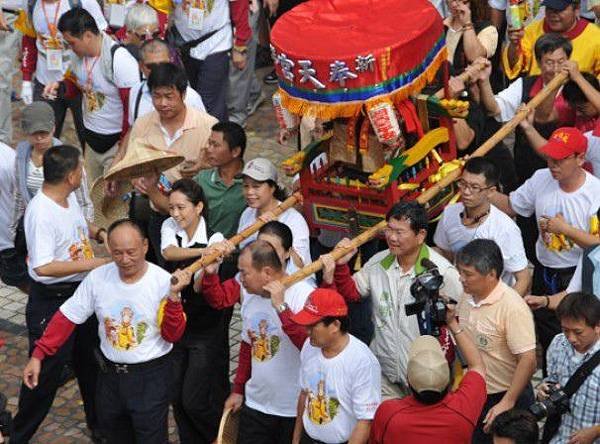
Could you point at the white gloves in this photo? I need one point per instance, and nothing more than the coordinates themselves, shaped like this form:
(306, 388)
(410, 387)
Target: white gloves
(27, 92)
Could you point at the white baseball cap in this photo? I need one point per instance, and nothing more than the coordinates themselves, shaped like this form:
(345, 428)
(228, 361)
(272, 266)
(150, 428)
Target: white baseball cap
(260, 169)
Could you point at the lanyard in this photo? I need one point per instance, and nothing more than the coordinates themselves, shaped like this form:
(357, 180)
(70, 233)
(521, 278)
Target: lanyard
(88, 72)
(51, 26)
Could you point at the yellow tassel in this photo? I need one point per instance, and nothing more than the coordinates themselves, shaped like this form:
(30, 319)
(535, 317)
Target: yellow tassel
(327, 111)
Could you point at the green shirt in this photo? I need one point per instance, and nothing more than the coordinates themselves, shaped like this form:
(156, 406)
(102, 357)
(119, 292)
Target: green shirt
(225, 204)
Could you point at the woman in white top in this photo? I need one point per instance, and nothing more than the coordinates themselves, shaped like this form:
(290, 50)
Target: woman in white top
(200, 357)
(263, 195)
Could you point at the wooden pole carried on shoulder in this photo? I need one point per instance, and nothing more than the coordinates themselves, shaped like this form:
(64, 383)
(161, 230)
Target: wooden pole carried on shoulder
(432, 191)
(238, 238)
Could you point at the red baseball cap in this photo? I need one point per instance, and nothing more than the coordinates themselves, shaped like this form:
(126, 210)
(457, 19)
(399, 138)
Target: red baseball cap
(564, 142)
(321, 303)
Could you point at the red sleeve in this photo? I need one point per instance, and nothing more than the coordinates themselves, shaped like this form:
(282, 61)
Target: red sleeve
(220, 295)
(345, 284)
(163, 23)
(173, 323)
(382, 426)
(470, 397)
(56, 334)
(71, 89)
(244, 368)
(238, 10)
(124, 94)
(297, 333)
(29, 61)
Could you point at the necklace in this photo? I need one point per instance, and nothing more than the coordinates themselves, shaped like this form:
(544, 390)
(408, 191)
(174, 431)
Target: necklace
(474, 220)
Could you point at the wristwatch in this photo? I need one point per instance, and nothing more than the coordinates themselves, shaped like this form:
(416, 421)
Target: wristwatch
(283, 307)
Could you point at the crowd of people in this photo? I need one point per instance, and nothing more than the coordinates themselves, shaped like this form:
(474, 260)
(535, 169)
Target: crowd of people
(336, 357)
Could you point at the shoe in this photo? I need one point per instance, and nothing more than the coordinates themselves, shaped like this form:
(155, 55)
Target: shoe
(271, 78)
(251, 109)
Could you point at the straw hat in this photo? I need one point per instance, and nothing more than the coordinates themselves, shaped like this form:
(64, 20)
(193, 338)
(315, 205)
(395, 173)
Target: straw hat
(140, 160)
(228, 429)
(109, 209)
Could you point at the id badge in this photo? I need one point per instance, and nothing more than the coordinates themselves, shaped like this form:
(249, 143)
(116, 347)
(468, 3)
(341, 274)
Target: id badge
(195, 18)
(54, 59)
(117, 15)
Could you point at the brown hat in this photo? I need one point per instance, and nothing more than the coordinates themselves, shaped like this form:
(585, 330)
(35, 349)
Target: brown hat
(428, 369)
(140, 160)
(109, 209)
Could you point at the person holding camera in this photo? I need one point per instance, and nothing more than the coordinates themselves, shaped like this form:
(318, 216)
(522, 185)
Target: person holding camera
(572, 402)
(387, 278)
(502, 325)
(433, 413)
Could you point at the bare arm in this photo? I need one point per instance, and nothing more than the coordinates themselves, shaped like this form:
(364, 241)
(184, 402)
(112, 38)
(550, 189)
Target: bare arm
(360, 434)
(526, 366)
(464, 134)
(298, 426)
(502, 202)
(591, 94)
(465, 343)
(535, 139)
(173, 253)
(472, 46)
(486, 95)
(522, 282)
(66, 268)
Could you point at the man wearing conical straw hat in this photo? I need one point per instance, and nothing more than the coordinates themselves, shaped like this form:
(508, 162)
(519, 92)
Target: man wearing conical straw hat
(172, 127)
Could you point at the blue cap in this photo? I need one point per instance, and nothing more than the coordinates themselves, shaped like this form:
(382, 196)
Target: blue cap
(558, 5)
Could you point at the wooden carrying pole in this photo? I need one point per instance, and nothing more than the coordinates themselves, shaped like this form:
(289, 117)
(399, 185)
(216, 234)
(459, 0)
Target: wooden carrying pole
(432, 191)
(246, 233)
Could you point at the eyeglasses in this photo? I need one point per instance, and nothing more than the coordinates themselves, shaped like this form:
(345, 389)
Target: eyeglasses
(391, 232)
(473, 188)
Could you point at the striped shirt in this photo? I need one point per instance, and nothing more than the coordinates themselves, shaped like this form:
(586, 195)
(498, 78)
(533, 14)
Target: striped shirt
(563, 361)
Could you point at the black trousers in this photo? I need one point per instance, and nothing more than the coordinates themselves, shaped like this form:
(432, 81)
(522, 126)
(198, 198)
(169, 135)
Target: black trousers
(259, 428)
(154, 225)
(200, 385)
(548, 281)
(60, 105)
(210, 77)
(306, 439)
(133, 407)
(78, 350)
(525, 400)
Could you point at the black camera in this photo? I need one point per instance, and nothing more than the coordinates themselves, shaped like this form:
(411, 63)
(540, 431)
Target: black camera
(5, 417)
(429, 307)
(556, 404)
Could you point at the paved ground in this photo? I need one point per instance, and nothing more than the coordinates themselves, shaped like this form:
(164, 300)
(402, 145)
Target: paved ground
(65, 424)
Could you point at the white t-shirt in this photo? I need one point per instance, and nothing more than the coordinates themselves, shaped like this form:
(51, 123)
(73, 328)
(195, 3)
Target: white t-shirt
(55, 233)
(592, 154)
(107, 117)
(127, 313)
(216, 18)
(7, 189)
(340, 391)
(170, 230)
(42, 74)
(292, 219)
(273, 387)
(542, 196)
(452, 235)
(192, 98)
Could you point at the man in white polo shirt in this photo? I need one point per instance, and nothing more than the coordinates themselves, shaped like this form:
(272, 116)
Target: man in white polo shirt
(340, 377)
(565, 199)
(141, 316)
(475, 218)
(152, 53)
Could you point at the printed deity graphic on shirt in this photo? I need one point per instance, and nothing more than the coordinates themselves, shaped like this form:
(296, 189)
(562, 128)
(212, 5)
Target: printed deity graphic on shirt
(560, 242)
(322, 405)
(265, 344)
(81, 249)
(121, 329)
